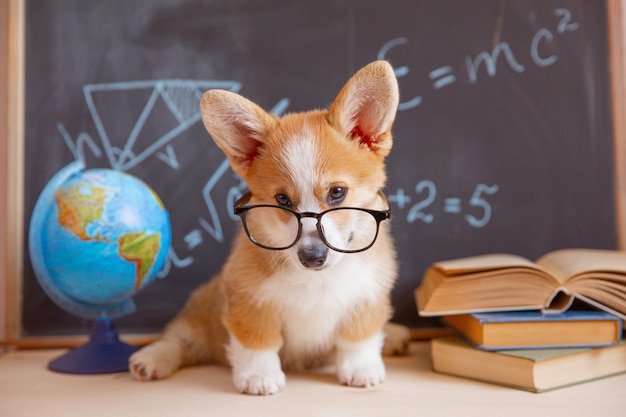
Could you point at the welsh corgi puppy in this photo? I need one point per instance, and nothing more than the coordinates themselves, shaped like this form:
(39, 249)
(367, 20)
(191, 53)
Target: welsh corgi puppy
(308, 280)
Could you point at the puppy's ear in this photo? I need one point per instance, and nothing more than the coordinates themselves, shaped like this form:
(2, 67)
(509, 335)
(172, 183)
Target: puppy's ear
(365, 108)
(237, 125)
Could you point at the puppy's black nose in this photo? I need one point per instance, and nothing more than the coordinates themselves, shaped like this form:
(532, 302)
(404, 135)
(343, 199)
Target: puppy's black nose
(313, 256)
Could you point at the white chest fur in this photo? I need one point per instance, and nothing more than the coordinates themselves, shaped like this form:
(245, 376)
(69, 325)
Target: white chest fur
(312, 304)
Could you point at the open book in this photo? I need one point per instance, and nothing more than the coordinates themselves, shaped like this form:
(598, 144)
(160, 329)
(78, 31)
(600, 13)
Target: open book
(504, 282)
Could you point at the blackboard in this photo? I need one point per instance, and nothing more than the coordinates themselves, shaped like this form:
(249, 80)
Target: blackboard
(503, 138)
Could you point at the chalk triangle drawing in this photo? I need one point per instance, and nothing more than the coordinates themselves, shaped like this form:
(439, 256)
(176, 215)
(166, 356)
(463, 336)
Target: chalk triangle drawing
(181, 97)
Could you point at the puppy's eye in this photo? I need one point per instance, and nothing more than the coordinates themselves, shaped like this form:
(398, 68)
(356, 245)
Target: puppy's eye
(283, 200)
(336, 195)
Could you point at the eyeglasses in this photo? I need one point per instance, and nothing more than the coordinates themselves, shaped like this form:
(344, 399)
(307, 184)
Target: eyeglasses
(278, 228)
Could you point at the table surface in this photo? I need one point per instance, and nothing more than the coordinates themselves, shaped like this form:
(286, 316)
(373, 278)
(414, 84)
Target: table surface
(27, 388)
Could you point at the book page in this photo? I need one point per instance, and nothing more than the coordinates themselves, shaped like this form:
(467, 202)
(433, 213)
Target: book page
(566, 263)
(610, 303)
(482, 263)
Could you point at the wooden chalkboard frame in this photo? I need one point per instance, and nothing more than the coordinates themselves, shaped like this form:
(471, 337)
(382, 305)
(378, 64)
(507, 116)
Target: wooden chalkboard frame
(12, 70)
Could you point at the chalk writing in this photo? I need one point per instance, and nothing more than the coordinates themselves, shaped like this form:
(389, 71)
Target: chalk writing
(442, 76)
(181, 98)
(77, 147)
(502, 52)
(193, 239)
(416, 212)
(478, 200)
(426, 192)
(174, 260)
(490, 59)
(565, 24)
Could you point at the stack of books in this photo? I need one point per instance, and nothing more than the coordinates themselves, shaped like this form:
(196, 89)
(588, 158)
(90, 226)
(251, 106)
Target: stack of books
(514, 319)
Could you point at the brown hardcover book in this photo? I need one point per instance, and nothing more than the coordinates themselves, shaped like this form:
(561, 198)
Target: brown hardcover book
(534, 370)
(532, 329)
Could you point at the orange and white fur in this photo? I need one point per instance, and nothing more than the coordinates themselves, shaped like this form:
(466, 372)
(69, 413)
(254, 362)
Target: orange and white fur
(267, 311)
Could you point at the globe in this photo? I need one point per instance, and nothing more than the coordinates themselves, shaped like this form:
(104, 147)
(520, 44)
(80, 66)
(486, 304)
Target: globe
(96, 238)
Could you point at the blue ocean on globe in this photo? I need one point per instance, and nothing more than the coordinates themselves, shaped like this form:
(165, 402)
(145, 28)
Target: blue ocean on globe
(96, 238)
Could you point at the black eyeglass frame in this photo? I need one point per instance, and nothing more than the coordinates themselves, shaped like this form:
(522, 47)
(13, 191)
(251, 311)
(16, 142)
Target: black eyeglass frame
(240, 209)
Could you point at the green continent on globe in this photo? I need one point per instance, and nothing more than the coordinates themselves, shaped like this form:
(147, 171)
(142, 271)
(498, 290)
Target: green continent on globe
(77, 210)
(140, 249)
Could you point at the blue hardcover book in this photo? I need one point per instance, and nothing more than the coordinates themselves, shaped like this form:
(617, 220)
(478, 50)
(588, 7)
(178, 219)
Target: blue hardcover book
(535, 330)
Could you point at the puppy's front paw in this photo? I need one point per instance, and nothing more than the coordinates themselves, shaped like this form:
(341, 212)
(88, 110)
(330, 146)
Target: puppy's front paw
(256, 372)
(362, 373)
(397, 338)
(259, 384)
(360, 364)
(156, 361)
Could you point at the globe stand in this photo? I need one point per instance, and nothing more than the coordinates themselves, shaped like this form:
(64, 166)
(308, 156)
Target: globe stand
(103, 354)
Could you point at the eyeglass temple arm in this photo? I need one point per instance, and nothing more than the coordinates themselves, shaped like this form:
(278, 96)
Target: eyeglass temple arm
(386, 200)
(244, 200)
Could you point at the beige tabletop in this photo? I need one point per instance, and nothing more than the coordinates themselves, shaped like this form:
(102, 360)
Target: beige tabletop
(27, 388)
